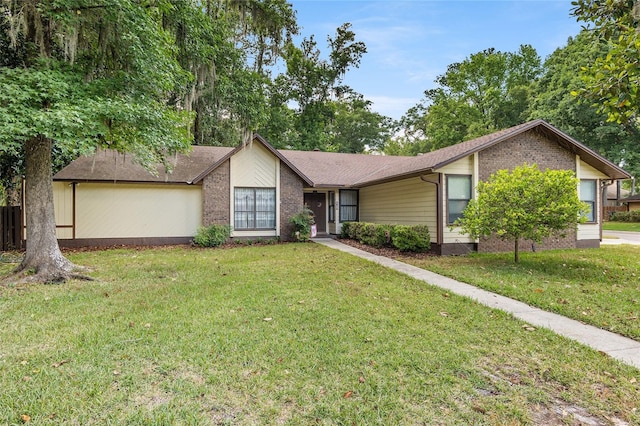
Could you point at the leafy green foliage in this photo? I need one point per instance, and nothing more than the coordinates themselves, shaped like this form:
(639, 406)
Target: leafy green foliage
(414, 238)
(577, 115)
(489, 91)
(523, 203)
(302, 222)
(325, 114)
(613, 79)
(212, 236)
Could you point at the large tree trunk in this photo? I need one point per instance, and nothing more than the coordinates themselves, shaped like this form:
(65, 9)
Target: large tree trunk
(43, 255)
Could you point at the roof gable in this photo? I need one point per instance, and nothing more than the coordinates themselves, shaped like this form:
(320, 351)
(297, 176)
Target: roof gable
(256, 139)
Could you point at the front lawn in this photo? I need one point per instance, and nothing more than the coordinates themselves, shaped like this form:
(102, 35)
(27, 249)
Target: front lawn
(621, 226)
(596, 286)
(286, 334)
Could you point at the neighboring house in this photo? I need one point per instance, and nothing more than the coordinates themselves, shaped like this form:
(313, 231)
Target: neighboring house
(106, 199)
(633, 202)
(615, 194)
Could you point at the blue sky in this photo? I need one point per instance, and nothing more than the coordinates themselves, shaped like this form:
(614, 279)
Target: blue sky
(410, 43)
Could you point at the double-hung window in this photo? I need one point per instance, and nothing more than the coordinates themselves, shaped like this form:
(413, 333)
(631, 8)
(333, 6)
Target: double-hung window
(588, 195)
(348, 205)
(458, 196)
(254, 208)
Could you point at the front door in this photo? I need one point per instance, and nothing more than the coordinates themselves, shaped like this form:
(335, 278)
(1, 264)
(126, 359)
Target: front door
(316, 202)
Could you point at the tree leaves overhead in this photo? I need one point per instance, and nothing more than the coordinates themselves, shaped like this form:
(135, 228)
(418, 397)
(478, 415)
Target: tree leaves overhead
(613, 79)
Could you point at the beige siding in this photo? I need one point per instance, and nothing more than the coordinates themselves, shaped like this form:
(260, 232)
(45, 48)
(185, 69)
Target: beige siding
(585, 171)
(255, 167)
(130, 210)
(407, 202)
(464, 166)
(590, 231)
(63, 207)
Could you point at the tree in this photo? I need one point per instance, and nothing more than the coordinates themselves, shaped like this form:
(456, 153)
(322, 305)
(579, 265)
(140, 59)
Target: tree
(313, 84)
(613, 79)
(576, 115)
(86, 75)
(355, 128)
(525, 203)
(489, 91)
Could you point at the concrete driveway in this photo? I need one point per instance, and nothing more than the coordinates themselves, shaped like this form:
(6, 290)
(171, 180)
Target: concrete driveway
(620, 237)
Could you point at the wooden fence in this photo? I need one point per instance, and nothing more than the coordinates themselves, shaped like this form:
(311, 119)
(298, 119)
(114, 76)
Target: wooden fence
(610, 209)
(10, 228)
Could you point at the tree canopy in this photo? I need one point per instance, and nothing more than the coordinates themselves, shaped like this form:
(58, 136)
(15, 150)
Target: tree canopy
(612, 81)
(488, 91)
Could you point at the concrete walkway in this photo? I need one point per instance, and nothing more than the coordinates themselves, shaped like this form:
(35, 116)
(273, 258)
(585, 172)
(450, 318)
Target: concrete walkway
(618, 347)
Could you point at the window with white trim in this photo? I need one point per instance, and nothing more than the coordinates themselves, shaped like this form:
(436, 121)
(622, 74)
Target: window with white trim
(254, 208)
(589, 195)
(458, 196)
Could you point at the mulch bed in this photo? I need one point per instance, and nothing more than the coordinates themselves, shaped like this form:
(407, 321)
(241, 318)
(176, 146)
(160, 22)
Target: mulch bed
(389, 252)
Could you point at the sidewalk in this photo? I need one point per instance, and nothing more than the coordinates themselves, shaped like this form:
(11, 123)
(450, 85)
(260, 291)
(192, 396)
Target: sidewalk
(616, 346)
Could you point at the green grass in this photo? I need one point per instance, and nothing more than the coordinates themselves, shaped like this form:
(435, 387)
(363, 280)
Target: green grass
(596, 286)
(621, 226)
(284, 334)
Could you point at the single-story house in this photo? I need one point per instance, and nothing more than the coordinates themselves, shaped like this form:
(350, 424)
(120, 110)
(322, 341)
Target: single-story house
(107, 199)
(632, 202)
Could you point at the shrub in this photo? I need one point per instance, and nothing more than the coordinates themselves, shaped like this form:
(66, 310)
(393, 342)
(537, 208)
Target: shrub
(632, 216)
(212, 235)
(411, 238)
(403, 237)
(376, 235)
(302, 222)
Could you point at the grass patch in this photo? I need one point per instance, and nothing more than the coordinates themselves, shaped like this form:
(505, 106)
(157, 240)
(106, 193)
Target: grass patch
(621, 226)
(597, 286)
(284, 334)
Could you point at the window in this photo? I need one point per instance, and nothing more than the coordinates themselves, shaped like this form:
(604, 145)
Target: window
(348, 205)
(255, 208)
(332, 206)
(588, 195)
(458, 196)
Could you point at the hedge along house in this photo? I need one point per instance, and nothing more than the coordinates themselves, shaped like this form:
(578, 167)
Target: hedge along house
(255, 188)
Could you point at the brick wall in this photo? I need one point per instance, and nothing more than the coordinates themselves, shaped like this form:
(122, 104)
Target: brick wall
(291, 199)
(215, 194)
(529, 147)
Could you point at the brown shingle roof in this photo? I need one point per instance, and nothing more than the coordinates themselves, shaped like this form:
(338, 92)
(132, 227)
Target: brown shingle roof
(111, 166)
(322, 169)
(425, 163)
(333, 169)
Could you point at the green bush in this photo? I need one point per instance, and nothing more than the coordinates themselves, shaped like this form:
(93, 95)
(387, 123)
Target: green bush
(376, 235)
(403, 237)
(212, 235)
(632, 216)
(302, 222)
(411, 238)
